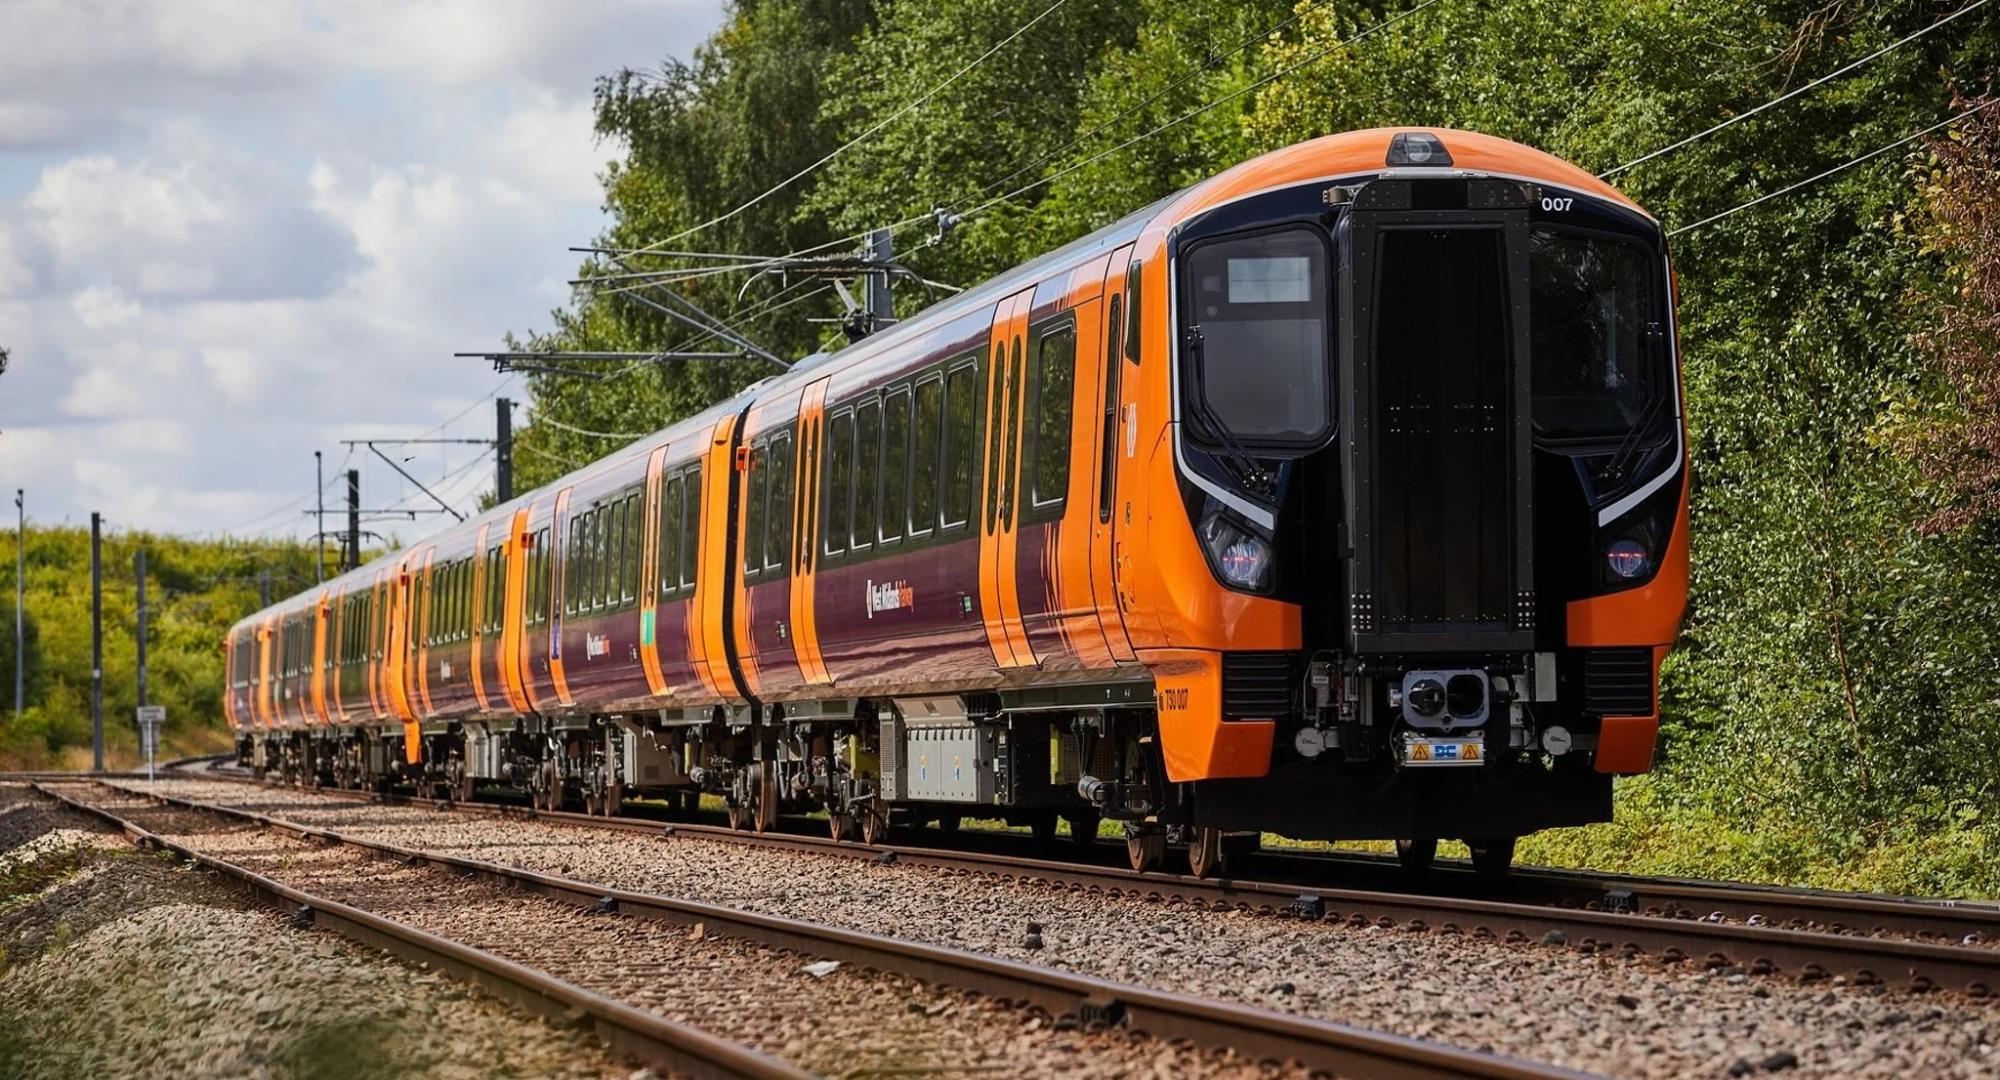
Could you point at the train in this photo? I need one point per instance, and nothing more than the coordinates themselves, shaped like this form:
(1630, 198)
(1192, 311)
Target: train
(1342, 495)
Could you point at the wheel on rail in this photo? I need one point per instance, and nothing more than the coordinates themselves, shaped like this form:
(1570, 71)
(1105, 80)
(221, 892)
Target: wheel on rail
(1416, 854)
(614, 799)
(462, 791)
(874, 821)
(766, 804)
(1145, 846)
(1204, 851)
(839, 824)
(1492, 857)
(1043, 825)
(950, 822)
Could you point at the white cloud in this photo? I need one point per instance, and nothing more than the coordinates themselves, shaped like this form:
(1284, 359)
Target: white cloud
(103, 307)
(231, 234)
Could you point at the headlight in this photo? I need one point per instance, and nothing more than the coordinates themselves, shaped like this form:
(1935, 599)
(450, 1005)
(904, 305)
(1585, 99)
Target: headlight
(1627, 559)
(1243, 560)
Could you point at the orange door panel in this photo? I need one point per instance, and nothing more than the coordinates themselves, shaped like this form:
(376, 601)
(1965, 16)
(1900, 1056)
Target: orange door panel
(649, 571)
(479, 646)
(513, 608)
(559, 548)
(999, 594)
(805, 533)
(1108, 419)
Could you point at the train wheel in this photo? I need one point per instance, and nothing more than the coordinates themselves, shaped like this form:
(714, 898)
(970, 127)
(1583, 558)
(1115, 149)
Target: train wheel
(838, 825)
(463, 789)
(1204, 851)
(1144, 847)
(766, 805)
(874, 823)
(1416, 854)
(1043, 825)
(548, 786)
(1492, 858)
(614, 800)
(950, 822)
(739, 816)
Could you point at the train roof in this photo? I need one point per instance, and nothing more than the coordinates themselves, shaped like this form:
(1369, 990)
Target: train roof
(1344, 155)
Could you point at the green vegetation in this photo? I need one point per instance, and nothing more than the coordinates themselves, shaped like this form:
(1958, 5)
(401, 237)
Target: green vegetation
(196, 590)
(1833, 715)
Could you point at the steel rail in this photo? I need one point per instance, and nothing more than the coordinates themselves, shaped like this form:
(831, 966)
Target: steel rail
(644, 1036)
(1257, 1034)
(1693, 897)
(1765, 949)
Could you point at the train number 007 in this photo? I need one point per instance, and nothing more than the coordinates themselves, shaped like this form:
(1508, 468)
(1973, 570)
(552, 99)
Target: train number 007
(1556, 203)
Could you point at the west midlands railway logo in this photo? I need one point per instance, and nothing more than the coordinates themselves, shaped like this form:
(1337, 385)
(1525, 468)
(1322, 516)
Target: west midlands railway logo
(889, 595)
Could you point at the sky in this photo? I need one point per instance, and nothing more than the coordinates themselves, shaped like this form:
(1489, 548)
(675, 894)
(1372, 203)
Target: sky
(234, 233)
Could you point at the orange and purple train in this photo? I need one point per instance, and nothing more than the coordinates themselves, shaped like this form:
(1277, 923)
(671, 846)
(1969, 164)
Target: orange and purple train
(1341, 495)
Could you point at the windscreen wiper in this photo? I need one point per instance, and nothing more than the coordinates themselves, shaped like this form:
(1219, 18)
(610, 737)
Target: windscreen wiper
(1628, 447)
(1249, 475)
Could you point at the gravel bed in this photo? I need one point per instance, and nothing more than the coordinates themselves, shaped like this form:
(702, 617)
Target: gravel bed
(1595, 1012)
(846, 1021)
(119, 963)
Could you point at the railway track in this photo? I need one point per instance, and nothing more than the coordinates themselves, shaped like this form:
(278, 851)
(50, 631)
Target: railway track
(1811, 936)
(1092, 1003)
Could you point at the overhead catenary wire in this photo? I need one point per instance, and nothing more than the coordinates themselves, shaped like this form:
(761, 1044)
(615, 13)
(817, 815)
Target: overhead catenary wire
(325, 487)
(1789, 95)
(560, 426)
(870, 132)
(1262, 35)
(1840, 168)
(1200, 110)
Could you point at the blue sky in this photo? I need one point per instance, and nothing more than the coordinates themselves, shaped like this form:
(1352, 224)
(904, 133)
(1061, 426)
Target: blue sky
(235, 233)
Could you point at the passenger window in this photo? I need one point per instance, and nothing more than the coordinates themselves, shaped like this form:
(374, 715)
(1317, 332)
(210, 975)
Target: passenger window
(867, 470)
(993, 434)
(1108, 435)
(753, 527)
(961, 443)
(1132, 314)
(895, 464)
(837, 491)
(670, 534)
(780, 543)
(1055, 385)
(628, 582)
(924, 457)
(690, 519)
(600, 551)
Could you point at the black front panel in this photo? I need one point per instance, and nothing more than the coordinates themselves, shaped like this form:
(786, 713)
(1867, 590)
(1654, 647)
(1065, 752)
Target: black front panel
(1445, 526)
(1435, 404)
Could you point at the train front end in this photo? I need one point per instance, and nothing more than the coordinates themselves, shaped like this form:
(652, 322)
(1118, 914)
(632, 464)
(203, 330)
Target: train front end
(1426, 434)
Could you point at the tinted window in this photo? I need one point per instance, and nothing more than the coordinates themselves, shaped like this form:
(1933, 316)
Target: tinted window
(867, 470)
(895, 463)
(961, 443)
(1261, 303)
(1055, 384)
(782, 462)
(1589, 304)
(1132, 314)
(924, 457)
(837, 492)
(753, 527)
(669, 534)
(1108, 434)
(690, 526)
(995, 425)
